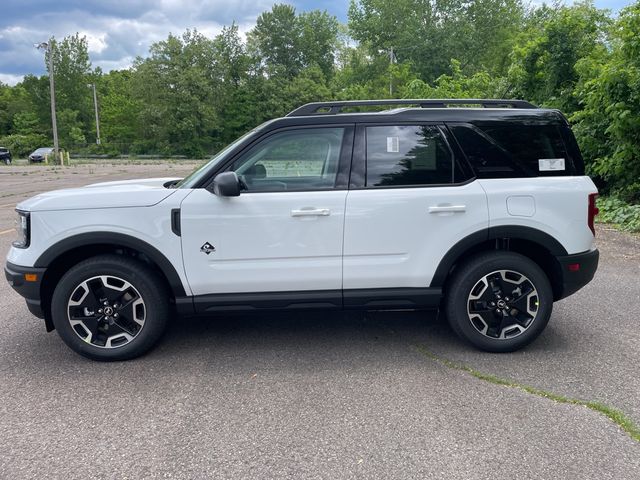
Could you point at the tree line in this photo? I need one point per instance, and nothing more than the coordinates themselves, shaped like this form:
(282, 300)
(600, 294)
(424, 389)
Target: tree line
(192, 94)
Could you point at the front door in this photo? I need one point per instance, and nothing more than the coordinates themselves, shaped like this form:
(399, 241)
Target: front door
(285, 231)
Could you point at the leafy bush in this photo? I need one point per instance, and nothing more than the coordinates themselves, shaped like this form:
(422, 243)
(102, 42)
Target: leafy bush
(624, 215)
(23, 145)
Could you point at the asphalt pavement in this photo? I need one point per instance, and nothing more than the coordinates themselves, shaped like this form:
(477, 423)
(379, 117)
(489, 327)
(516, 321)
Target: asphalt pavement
(321, 395)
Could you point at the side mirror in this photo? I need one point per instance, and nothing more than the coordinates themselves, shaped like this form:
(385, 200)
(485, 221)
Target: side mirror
(226, 184)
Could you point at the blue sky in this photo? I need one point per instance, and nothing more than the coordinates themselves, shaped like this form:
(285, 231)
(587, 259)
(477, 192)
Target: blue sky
(119, 30)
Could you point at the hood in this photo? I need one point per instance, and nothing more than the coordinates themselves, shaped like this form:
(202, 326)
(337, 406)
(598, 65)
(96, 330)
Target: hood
(126, 193)
(148, 182)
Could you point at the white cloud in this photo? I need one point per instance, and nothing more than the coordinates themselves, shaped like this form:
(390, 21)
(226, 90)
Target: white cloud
(96, 42)
(10, 79)
(116, 31)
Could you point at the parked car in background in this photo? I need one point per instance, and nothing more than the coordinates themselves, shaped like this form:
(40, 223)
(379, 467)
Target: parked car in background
(40, 155)
(5, 155)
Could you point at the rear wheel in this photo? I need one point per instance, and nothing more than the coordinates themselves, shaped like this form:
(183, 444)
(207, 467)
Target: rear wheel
(499, 301)
(110, 308)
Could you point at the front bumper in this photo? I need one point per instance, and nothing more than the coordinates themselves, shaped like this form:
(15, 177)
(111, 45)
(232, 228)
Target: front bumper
(30, 290)
(576, 271)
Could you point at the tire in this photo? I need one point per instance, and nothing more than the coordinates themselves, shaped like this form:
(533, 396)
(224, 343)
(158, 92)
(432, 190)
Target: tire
(129, 324)
(499, 301)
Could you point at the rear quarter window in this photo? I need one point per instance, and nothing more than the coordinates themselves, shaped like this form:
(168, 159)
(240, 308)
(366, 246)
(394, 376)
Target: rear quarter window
(506, 151)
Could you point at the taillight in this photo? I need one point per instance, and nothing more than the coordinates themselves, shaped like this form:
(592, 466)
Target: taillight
(593, 211)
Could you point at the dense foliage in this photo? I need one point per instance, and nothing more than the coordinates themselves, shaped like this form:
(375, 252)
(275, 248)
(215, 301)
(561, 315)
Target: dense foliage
(193, 94)
(623, 215)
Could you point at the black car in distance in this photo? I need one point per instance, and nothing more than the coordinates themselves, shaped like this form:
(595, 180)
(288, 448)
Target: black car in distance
(5, 155)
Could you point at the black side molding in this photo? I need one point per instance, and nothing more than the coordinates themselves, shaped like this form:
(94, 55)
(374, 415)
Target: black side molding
(248, 302)
(392, 298)
(359, 299)
(175, 221)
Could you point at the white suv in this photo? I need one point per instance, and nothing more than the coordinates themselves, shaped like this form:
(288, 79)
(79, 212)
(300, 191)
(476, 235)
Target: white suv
(485, 212)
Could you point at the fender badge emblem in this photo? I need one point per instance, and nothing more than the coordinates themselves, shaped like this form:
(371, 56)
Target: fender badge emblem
(207, 248)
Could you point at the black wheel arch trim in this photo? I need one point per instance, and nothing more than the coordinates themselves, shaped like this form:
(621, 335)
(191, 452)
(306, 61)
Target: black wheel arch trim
(530, 234)
(117, 240)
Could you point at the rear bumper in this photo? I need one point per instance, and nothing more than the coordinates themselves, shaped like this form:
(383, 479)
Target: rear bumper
(30, 290)
(576, 271)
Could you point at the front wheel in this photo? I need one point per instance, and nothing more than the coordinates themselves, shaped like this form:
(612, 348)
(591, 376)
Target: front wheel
(110, 307)
(499, 301)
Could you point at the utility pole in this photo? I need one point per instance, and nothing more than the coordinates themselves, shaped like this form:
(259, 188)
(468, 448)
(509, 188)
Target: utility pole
(48, 48)
(95, 105)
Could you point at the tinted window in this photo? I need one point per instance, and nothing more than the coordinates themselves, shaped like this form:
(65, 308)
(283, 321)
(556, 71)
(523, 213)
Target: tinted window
(539, 148)
(515, 150)
(407, 155)
(305, 159)
(487, 159)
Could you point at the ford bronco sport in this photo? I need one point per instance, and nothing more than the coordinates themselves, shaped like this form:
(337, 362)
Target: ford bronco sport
(482, 210)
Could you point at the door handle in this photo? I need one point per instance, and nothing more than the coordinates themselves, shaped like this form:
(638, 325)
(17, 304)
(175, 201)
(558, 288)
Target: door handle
(311, 212)
(448, 209)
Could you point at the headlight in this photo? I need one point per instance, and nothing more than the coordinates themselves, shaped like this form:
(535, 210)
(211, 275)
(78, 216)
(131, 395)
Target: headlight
(22, 228)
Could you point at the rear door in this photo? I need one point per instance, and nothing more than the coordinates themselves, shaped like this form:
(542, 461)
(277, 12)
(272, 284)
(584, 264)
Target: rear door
(409, 202)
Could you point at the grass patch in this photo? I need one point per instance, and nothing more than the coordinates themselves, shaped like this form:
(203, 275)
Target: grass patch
(613, 414)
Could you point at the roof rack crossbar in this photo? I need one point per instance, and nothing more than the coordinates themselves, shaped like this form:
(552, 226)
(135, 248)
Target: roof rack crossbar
(333, 108)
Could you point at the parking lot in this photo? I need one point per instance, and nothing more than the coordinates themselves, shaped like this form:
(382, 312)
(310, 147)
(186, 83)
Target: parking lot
(319, 395)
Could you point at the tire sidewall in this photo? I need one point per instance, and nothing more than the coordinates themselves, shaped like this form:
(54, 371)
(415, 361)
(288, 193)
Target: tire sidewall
(467, 278)
(141, 278)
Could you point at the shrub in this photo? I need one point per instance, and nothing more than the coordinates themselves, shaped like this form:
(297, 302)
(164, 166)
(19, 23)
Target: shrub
(23, 145)
(613, 210)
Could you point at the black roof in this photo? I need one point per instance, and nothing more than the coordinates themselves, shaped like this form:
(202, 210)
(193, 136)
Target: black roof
(489, 111)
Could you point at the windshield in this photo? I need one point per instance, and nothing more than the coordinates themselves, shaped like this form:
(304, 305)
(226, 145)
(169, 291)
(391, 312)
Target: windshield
(193, 178)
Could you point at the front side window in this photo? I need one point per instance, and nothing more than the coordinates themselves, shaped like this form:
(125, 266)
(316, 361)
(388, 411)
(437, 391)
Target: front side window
(406, 155)
(305, 159)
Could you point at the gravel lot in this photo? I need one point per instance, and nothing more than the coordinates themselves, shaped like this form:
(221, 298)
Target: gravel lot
(320, 395)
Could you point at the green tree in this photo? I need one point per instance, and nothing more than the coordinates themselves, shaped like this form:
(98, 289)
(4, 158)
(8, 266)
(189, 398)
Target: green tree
(119, 111)
(275, 40)
(285, 43)
(73, 72)
(26, 122)
(13, 101)
(545, 58)
(318, 40)
(608, 123)
(429, 33)
(176, 86)
(458, 85)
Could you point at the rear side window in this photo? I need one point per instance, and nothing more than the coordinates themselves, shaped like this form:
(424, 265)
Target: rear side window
(498, 151)
(404, 155)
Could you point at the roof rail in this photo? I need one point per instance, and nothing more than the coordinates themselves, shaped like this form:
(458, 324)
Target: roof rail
(333, 108)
